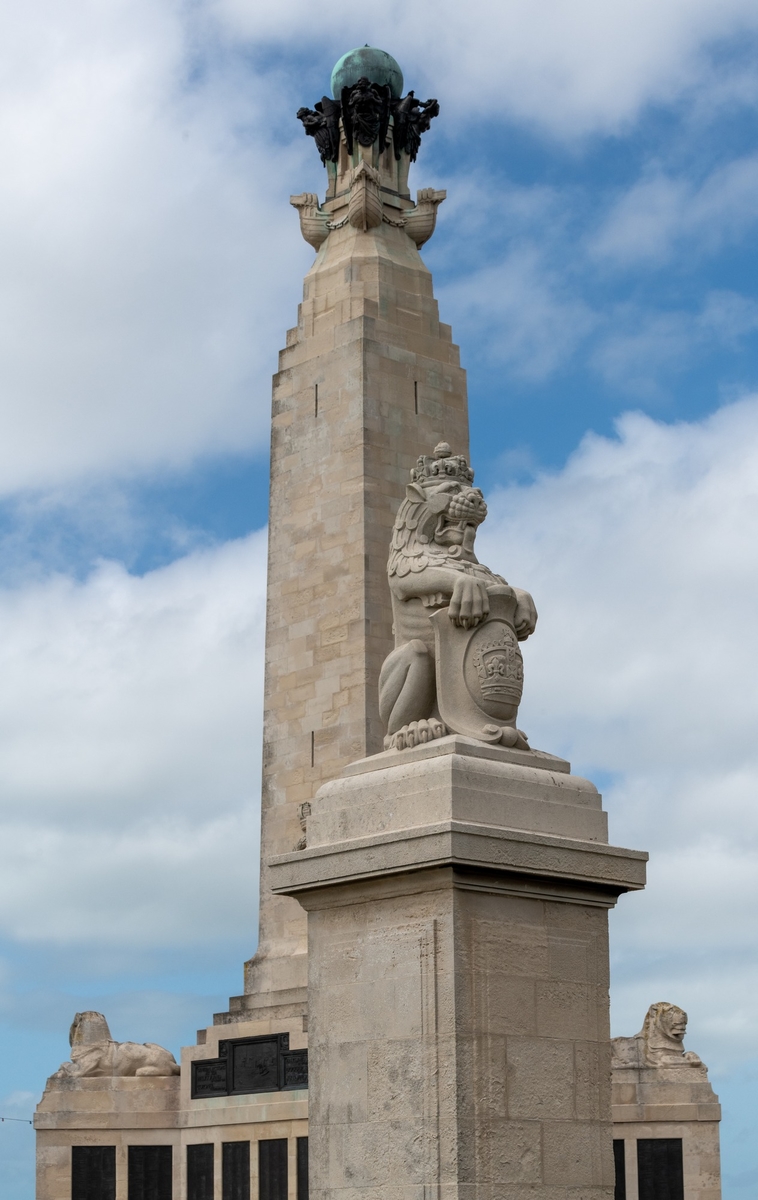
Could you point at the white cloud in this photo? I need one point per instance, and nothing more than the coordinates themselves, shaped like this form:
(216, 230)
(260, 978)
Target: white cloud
(638, 348)
(129, 751)
(643, 559)
(147, 242)
(526, 313)
(571, 66)
(146, 252)
(650, 221)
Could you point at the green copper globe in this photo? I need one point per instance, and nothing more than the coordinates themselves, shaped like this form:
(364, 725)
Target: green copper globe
(376, 65)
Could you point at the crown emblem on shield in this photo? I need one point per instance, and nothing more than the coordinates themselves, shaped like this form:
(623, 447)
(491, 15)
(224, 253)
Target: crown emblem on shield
(499, 666)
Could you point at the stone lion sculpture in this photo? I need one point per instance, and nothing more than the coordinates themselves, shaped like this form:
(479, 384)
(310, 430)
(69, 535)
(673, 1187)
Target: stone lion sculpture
(431, 566)
(660, 1042)
(94, 1053)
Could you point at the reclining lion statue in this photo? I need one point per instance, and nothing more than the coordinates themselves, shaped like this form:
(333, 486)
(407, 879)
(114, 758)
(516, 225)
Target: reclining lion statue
(432, 566)
(94, 1053)
(660, 1042)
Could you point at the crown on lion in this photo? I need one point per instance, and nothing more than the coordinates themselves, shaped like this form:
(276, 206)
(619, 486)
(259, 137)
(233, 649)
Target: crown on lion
(442, 464)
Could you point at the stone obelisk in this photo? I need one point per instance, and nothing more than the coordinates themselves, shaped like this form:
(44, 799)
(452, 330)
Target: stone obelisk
(368, 380)
(456, 881)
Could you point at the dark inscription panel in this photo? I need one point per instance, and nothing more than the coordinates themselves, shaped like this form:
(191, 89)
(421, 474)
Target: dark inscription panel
(209, 1078)
(235, 1171)
(149, 1172)
(302, 1168)
(93, 1173)
(619, 1161)
(200, 1172)
(659, 1168)
(295, 1069)
(255, 1066)
(272, 1169)
(247, 1065)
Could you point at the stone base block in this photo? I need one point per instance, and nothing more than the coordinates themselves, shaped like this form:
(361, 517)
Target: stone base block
(457, 902)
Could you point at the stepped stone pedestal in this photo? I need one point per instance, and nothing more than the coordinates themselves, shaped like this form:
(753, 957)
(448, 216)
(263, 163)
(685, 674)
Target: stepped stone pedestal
(457, 898)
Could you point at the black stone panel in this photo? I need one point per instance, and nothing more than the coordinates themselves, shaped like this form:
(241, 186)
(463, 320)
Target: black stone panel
(209, 1078)
(302, 1168)
(93, 1173)
(247, 1065)
(149, 1172)
(620, 1164)
(200, 1171)
(255, 1065)
(235, 1171)
(272, 1169)
(294, 1069)
(660, 1169)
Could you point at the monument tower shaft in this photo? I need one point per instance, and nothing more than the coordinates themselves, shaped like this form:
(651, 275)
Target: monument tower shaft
(369, 380)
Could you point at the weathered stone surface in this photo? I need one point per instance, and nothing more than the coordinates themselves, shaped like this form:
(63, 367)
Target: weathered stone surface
(369, 379)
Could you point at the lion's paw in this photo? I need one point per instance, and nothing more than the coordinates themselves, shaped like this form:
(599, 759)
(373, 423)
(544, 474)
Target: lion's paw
(415, 734)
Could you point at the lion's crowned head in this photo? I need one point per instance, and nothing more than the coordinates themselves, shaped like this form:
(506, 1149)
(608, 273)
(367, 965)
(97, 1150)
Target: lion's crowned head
(437, 521)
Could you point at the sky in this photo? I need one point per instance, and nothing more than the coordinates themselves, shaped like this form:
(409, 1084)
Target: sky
(596, 256)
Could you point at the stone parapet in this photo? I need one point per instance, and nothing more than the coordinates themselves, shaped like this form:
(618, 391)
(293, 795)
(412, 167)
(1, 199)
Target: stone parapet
(122, 1112)
(665, 1112)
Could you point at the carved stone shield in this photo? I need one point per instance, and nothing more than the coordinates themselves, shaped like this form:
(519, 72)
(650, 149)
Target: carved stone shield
(480, 672)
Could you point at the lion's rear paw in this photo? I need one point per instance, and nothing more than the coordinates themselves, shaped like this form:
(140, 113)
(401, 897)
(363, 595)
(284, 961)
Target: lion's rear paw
(415, 734)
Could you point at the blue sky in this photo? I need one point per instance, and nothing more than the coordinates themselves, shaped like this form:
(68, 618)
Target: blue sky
(596, 257)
